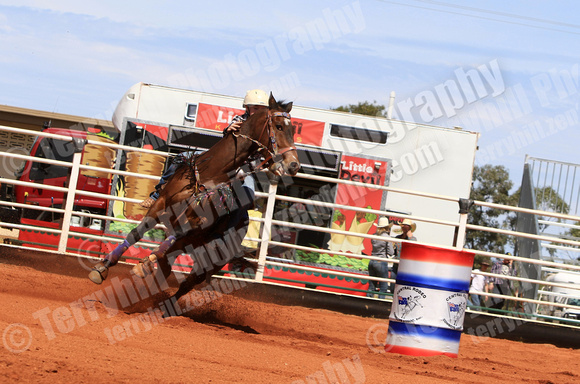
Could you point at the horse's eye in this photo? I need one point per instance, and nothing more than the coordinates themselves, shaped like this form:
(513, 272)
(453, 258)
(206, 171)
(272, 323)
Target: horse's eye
(279, 127)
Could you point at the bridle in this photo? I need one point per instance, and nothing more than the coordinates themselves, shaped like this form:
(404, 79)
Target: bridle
(275, 154)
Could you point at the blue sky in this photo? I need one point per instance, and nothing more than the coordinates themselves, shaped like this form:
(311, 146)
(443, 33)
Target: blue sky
(80, 57)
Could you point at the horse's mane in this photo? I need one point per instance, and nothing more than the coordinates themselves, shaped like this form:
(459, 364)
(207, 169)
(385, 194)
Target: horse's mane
(283, 104)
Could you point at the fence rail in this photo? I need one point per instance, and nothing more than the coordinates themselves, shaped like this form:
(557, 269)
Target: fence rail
(562, 178)
(265, 258)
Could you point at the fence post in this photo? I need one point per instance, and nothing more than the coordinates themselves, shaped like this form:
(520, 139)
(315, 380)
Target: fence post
(266, 231)
(464, 206)
(70, 197)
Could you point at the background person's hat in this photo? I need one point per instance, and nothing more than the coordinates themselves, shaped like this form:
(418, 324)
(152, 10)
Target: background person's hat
(409, 223)
(383, 222)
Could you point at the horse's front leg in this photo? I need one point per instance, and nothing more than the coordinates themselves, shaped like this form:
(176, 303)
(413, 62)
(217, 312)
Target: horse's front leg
(101, 270)
(192, 280)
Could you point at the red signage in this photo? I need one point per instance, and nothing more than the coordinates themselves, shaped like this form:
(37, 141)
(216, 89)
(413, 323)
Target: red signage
(308, 131)
(158, 131)
(368, 171)
(217, 118)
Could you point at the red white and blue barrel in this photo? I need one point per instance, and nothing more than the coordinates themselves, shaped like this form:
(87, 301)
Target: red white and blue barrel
(429, 301)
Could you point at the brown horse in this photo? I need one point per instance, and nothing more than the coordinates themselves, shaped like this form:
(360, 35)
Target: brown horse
(202, 202)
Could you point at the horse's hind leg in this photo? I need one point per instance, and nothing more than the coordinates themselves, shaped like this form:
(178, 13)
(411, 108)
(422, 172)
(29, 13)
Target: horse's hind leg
(100, 271)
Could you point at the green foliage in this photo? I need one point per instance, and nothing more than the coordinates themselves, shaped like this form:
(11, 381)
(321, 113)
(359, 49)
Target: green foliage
(547, 199)
(490, 184)
(101, 134)
(334, 260)
(575, 232)
(364, 108)
(123, 228)
(105, 135)
(370, 217)
(336, 214)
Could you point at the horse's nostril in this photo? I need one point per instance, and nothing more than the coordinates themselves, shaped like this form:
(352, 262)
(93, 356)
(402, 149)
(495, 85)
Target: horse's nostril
(294, 167)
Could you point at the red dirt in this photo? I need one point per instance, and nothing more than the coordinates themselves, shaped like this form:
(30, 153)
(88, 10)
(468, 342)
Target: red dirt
(230, 340)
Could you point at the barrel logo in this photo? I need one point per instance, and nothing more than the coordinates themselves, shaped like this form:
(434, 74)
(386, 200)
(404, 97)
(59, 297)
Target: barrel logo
(456, 305)
(409, 304)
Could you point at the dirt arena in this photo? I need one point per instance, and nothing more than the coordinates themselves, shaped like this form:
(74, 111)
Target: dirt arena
(57, 328)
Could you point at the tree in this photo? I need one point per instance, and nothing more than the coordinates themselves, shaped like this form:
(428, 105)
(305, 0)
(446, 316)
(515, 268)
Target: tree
(547, 199)
(490, 184)
(574, 234)
(364, 108)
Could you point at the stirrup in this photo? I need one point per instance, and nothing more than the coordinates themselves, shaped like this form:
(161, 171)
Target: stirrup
(99, 272)
(147, 203)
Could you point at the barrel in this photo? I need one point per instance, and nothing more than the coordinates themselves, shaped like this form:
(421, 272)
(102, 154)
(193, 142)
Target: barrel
(138, 187)
(429, 301)
(98, 156)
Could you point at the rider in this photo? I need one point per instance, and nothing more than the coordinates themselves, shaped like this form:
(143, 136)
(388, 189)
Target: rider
(255, 100)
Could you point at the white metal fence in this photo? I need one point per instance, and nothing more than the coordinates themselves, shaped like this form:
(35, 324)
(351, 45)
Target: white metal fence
(557, 178)
(264, 259)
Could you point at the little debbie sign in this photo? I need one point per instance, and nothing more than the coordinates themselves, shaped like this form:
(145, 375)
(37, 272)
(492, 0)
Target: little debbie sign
(217, 118)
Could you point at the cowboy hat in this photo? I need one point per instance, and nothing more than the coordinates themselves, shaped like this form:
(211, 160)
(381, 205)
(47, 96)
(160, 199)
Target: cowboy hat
(383, 222)
(409, 223)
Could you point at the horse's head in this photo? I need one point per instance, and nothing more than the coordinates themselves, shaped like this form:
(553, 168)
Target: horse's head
(276, 137)
(285, 159)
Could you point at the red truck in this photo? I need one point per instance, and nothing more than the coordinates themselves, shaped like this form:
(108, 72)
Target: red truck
(56, 175)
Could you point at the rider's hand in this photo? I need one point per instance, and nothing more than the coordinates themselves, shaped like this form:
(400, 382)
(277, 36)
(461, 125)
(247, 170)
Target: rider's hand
(234, 126)
(241, 175)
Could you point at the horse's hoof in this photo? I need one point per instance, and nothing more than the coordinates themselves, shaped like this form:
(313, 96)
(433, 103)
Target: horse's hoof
(145, 267)
(99, 273)
(137, 270)
(142, 270)
(199, 222)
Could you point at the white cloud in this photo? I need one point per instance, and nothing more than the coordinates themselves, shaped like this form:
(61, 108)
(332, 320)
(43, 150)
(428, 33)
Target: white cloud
(4, 27)
(99, 49)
